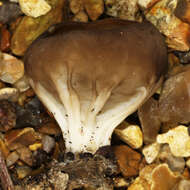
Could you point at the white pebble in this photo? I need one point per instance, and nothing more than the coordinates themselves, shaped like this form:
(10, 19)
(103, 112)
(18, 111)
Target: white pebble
(130, 134)
(150, 152)
(178, 140)
(34, 8)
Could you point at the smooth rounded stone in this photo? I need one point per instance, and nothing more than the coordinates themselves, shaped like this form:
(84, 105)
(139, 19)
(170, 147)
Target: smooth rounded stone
(76, 6)
(151, 152)
(178, 139)
(48, 143)
(11, 68)
(34, 8)
(124, 9)
(130, 134)
(176, 164)
(22, 84)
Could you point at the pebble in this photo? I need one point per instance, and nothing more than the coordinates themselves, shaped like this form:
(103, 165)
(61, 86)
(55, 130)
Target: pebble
(25, 155)
(50, 128)
(48, 143)
(164, 178)
(7, 116)
(151, 152)
(5, 151)
(11, 68)
(80, 17)
(22, 84)
(149, 118)
(30, 28)
(9, 11)
(178, 140)
(25, 136)
(176, 164)
(12, 158)
(23, 171)
(34, 8)
(10, 94)
(94, 8)
(128, 160)
(184, 185)
(76, 6)
(176, 31)
(35, 146)
(146, 4)
(120, 182)
(124, 9)
(130, 134)
(5, 42)
(155, 177)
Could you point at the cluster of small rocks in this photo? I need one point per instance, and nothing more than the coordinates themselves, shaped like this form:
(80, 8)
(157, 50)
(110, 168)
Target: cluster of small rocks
(153, 153)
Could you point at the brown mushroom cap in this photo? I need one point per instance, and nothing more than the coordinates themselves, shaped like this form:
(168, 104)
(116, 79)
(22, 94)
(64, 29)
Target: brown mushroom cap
(96, 72)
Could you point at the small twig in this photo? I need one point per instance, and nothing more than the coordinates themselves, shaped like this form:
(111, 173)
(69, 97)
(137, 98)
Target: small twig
(5, 178)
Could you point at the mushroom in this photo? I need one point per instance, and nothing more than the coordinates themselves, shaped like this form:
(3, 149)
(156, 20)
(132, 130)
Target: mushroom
(91, 76)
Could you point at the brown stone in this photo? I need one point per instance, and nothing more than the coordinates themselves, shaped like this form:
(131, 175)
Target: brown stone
(24, 136)
(163, 178)
(182, 10)
(23, 171)
(3, 148)
(150, 122)
(25, 155)
(128, 160)
(30, 28)
(12, 158)
(50, 128)
(5, 40)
